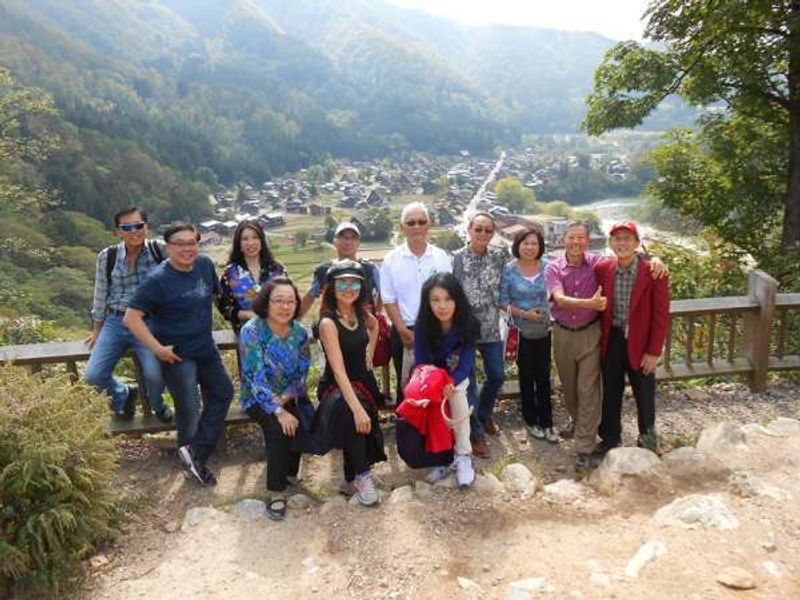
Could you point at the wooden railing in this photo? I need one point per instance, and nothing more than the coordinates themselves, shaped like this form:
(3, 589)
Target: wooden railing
(708, 337)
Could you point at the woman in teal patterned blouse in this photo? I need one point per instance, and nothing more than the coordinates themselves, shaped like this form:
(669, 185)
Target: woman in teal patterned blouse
(275, 359)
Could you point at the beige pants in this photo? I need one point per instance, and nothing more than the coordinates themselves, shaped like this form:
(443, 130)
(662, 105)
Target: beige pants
(459, 413)
(577, 355)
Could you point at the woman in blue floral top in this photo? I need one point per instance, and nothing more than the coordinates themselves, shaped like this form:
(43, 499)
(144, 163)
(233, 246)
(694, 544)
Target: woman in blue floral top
(275, 359)
(250, 266)
(524, 294)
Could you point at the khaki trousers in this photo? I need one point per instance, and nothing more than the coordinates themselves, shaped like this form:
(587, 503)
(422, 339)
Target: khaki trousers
(577, 355)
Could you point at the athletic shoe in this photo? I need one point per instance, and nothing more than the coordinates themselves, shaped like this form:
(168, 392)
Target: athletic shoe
(186, 456)
(465, 473)
(551, 436)
(536, 431)
(437, 474)
(583, 462)
(649, 441)
(128, 406)
(480, 448)
(366, 494)
(207, 478)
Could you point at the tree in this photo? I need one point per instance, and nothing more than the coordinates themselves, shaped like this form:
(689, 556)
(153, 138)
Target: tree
(740, 172)
(301, 237)
(514, 196)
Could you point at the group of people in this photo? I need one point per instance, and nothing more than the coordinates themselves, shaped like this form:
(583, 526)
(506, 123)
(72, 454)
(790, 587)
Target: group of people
(601, 317)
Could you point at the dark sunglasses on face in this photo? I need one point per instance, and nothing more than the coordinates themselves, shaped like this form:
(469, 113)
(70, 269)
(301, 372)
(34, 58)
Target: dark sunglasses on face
(420, 223)
(128, 227)
(483, 229)
(343, 286)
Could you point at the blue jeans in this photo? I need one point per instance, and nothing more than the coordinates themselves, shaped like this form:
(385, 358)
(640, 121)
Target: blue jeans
(493, 354)
(113, 342)
(200, 429)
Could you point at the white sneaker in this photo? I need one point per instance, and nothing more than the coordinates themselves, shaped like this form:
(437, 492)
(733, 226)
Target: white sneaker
(465, 473)
(366, 493)
(536, 431)
(187, 458)
(437, 474)
(551, 436)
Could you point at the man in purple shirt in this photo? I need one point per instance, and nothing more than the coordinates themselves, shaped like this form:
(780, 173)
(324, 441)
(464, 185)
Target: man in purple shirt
(577, 303)
(577, 300)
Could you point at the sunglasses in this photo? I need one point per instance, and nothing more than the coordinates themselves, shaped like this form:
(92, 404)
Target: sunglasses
(343, 286)
(483, 229)
(128, 227)
(420, 223)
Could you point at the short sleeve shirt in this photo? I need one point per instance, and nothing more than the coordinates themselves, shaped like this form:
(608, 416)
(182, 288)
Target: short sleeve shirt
(179, 306)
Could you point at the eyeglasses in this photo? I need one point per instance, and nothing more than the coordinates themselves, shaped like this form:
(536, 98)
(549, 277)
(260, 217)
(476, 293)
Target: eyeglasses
(343, 286)
(128, 227)
(420, 223)
(186, 244)
(483, 229)
(282, 301)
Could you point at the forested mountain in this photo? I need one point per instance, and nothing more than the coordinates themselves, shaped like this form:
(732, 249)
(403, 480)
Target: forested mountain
(159, 100)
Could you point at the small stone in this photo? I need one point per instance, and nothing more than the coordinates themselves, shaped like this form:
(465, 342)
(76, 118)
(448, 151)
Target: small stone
(401, 495)
(172, 526)
(299, 501)
(97, 561)
(645, 554)
(517, 478)
(250, 508)
(698, 510)
(525, 589)
(697, 395)
(748, 485)
(423, 489)
(467, 584)
(565, 489)
(771, 567)
(736, 578)
(194, 516)
(769, 546)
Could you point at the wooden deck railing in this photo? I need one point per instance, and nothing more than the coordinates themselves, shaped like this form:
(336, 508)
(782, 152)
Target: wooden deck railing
(708, 337)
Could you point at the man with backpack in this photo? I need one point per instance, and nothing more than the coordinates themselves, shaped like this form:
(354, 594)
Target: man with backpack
(120, 270)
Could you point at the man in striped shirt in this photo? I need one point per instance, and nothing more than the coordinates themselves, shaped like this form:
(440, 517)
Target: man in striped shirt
(120, 270)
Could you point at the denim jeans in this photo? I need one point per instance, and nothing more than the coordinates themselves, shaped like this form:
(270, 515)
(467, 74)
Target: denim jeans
(113, 342)
(200, 429)
(493, 354)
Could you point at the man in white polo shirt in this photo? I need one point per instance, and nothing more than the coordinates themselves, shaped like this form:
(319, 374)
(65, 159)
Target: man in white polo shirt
(404, 271)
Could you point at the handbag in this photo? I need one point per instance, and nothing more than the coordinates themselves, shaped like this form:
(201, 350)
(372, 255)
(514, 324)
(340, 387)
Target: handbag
(512, 343)
(383, 349)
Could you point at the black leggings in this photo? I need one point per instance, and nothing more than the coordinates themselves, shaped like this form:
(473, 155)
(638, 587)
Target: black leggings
(282, 459)
(533, 362)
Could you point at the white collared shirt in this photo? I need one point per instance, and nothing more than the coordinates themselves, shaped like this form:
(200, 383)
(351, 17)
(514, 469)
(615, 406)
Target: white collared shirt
(403, 274)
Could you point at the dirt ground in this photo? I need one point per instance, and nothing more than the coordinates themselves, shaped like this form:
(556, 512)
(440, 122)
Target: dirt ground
(425, 546)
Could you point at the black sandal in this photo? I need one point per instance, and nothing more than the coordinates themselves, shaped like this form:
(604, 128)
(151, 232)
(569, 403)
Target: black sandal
(276, 509)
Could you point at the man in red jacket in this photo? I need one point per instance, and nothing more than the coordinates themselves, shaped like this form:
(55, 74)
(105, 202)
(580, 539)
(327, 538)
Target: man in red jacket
(633, 329)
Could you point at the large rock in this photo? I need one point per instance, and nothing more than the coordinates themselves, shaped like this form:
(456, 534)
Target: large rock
(722, 439)
(250, 508)
(753, 431)
(784, 426)
(698, 510)
(736, 578)
(622, 464)
(517, 478)
(194, 516)
(691, 465)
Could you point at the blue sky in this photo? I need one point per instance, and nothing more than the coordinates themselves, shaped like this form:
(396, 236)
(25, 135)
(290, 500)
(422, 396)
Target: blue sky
(617, 19)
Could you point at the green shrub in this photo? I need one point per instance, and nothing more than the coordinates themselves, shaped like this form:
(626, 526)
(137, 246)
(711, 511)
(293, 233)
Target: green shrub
(57, 468)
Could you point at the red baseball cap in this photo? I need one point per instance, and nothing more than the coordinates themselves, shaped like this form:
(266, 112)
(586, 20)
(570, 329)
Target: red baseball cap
(629, 225)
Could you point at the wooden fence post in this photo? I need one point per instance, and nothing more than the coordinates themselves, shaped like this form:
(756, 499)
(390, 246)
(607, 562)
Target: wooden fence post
(758, 327)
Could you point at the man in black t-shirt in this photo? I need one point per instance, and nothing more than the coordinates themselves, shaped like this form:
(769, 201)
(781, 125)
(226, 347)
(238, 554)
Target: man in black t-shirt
(177, 298)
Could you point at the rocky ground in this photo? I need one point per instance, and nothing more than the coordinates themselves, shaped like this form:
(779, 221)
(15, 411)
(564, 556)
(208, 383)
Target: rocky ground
(716, 517)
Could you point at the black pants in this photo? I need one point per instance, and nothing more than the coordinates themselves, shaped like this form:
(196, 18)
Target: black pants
(354, 449)
(282, 459)
(533, 363)
(615, 366)
(396, 345)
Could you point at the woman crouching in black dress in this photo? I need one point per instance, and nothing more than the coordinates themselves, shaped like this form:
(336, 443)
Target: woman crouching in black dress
(347, 416)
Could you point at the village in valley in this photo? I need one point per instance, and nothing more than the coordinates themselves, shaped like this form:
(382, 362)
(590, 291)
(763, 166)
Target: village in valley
(306, 205)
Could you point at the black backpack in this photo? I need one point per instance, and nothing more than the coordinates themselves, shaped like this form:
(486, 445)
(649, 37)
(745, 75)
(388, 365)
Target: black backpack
(111, 256)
